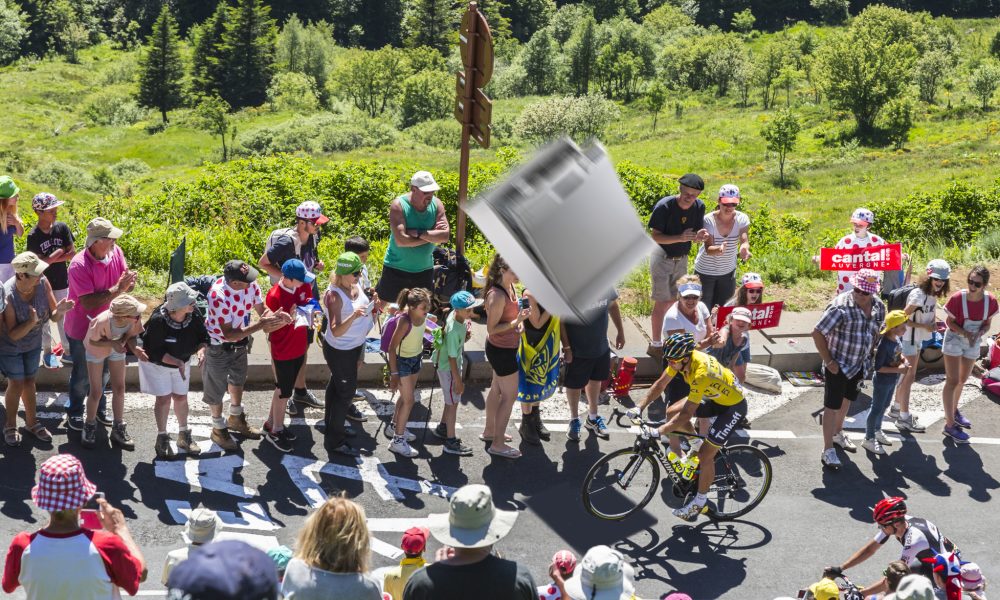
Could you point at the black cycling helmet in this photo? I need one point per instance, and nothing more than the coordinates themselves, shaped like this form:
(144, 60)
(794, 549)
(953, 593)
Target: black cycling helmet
(888, 510)
(678, 346)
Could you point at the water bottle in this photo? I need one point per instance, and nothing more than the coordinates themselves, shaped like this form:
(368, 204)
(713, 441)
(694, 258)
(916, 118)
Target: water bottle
(690, 466)
(676, 462)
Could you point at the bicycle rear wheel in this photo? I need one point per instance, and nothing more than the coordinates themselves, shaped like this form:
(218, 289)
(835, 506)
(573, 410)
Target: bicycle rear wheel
(620, 484)
(742, 478)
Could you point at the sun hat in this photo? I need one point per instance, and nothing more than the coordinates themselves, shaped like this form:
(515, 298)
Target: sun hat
(180, 295)
(565, 561)
(972, 576)
(741, 313)
(728, 193)
(689, 289)
(471, 521)
(862, 215)
(126, 306)
(752, 281)
(825, 589)
(311, 210)
(44, 201)
(414, 540)
(603, 574)
(348, 263)
(62, 484)
(8, 189)
(424, 181)
(224, 570)
(280, 555)
(677, 596)
(239, 271)
(938, 269)
(866, 280)
(28, 262)
(100, 228)
(914, 587)
(894, 318)
(202, 525)
(464, 299)
(294, 268)
(692, 181)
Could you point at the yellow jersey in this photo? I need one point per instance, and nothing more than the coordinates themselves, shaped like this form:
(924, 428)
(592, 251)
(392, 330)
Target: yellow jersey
(710, 381)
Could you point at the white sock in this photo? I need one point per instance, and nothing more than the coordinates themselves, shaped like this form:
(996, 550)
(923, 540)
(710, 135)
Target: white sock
(593, 416)
(904, 415)
(235, 409)
(218, 423)
(161, 433)
(656, 344)
(700, 498)
(182, 429)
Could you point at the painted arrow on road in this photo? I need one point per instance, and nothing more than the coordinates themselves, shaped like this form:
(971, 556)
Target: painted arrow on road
(304, 473)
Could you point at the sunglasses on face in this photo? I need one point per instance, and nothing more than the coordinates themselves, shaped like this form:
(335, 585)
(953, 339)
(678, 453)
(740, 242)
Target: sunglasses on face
(974, 283)
(862, 292)
(755, 291)
(357, 274)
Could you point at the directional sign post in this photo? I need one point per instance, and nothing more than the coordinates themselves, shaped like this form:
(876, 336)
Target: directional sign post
(472, 108)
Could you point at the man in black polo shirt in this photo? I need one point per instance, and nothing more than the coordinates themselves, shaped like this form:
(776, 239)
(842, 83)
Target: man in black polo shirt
(676, 221)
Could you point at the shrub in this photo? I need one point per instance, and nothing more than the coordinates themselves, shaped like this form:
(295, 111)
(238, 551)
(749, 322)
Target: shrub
(319, 133)
(579, 117)
(113, 107)
(426, 96)
(352, 135)
(440, 133)
(293, 91)
(954, 216)
(63, 176)
(897, 120)
(644, 186)
(129, 169)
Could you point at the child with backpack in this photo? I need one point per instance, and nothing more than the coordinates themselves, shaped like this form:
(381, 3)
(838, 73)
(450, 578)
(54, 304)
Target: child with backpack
(449, 348)
(405, 356)
(889, 365)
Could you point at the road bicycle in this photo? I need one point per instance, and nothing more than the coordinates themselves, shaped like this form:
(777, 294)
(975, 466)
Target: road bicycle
(624, 481)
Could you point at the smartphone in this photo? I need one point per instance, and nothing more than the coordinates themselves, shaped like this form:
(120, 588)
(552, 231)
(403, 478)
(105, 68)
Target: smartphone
(371, 307)
(88, 515)
(523, 304)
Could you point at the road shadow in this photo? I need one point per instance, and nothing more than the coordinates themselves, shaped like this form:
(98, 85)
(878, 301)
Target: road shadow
(965, 466)
(19, 469)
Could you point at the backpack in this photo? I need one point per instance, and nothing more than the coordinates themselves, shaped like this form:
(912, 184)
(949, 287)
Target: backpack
(896, 299)
(389, 329)
(452, 273)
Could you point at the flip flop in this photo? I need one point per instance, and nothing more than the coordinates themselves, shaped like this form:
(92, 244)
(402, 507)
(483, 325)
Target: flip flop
(11, 437)
(510, 453)
(506, 438)
(39, 432)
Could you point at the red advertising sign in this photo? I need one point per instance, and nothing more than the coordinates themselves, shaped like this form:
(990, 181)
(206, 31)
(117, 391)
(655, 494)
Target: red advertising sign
(763, 315)
(888, 257)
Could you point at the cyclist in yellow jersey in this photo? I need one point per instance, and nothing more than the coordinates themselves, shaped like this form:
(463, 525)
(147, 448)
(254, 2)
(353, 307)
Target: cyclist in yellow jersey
(715, 392)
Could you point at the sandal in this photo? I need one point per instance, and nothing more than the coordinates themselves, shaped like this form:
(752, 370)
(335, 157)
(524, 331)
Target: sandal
(39, 432)
(506, 438)
(11, 437)
(511, 453)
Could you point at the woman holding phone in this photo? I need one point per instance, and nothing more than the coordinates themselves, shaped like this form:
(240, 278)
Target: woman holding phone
(348, 316)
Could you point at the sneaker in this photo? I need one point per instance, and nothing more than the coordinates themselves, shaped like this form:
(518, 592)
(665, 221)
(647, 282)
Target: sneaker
(882, 438)
(222, 439)
(440, 432)
(288, 433)
(279, 440)
(910, 424)
(456, 447)
(350, 431)
(894, 412)
(309, 399)
(119, 435)
(238, 425)
(345, 449)
(689, 512)
(962, 421)
(104, 419)
(358, 396)
(655, 351)
(598, 426)
(956, 433)
(830, 459)
(184, 442)
(873, 446)
(89, 437)
(162, 446)
(390, 433)
(51, 361)
(401, 447)
(574, 430)
(73, 422)
(292, 409)
(844, 442)
(356, 415)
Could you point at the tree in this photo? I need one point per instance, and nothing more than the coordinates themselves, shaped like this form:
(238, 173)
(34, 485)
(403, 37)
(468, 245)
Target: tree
(931, 71)
(212, 115)
(529, 16)
(832, 12)
(293, 91)
(607, 9)
(582, 52)
(995, 45)
(430, 23)
(567, 19)
(871, 64)
(727, 56)
(60, 26)
(767, 69)
(780, 133)
(427, 95)
(624, 60)
(307, 50)
(12, 31)
(371, 79)
(248, 47)
(538, 58)
(897, 121)
(984, 82)
(665, 19)
(786, 79)
(656, 98)
(208, 59)
(161, 72)
(743, 21)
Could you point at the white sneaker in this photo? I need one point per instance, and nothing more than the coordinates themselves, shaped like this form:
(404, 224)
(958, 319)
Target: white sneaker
(689, 512)
(402, 448)
(830, 459)
(844, 442)
(873, 446)
(882, 439)
(910, 424)
(390, 431)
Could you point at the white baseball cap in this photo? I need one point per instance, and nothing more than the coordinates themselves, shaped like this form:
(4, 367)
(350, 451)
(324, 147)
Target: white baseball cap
(424, 181)
(862, 215)
(311, 210)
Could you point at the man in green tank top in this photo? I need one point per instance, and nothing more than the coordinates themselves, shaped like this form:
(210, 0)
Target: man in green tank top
(418, 223)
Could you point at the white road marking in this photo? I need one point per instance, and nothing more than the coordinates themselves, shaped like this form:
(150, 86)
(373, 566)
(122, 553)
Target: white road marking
(251, 516)
(215, 474)
(304, 473)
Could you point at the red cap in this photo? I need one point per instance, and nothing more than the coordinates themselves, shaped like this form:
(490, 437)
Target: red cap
(414, 540)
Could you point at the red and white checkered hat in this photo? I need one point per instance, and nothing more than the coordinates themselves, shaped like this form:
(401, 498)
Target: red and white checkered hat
(311, 210)
(62, 484)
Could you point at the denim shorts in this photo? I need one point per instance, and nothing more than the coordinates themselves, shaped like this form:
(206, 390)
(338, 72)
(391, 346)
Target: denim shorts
(956, 345)
(409, 366)
(113, 356)
(21, 365)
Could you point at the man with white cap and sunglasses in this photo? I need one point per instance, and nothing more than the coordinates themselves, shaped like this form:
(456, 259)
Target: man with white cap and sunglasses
(467, 566)
(418, 224)
(201, 527)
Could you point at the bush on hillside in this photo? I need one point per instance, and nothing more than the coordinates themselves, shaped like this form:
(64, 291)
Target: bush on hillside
(129, 168)
(954, 216)
(63, 176)
(319, 133)
(440, 133)
(578, 117)
(426, 96)
(293, 91)
(113, 107)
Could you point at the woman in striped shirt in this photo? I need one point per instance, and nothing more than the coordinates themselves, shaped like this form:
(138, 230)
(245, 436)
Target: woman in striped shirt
(728, 231)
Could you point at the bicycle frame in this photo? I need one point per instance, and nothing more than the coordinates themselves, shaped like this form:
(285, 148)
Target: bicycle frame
(646, 444)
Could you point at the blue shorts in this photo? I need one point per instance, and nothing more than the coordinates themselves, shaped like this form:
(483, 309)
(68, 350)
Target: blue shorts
(22, 365)
(409, 366)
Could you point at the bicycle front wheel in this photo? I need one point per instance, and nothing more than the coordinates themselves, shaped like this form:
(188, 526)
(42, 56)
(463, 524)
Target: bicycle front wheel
(742, 478)
(620, 484)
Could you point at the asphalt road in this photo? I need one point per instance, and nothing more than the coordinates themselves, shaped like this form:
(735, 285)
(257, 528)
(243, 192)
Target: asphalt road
(810, 518)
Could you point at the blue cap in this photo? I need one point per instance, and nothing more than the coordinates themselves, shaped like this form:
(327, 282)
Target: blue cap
(280, 555)
(226, 570)
(294, 268)
(463, 299)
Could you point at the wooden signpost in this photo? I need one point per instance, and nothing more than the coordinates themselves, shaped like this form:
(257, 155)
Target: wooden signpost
(472, 108)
